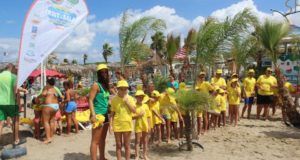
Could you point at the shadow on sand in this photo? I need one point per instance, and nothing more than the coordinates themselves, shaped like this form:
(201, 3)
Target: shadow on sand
(284, 134)
(76, 156)
(7, 138)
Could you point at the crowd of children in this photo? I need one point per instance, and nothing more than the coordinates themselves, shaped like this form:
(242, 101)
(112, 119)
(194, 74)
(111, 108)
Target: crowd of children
(153, 116)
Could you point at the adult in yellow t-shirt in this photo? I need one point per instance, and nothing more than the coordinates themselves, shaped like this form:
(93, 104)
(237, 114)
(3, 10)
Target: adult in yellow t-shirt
(266, 84)
(218, 81)
(248, 92)
(234, 98)
(122, 109)
(203, 86)
(142, 124)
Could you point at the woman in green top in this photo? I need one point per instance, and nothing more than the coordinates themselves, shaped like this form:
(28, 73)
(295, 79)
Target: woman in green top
(98, 103)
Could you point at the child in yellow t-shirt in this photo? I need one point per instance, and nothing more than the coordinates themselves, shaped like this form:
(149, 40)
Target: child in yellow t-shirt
(223, 108)
(122, 109)
(215, 110)
(142, 124)
(169, 107)
(234, 98)
(157, 118)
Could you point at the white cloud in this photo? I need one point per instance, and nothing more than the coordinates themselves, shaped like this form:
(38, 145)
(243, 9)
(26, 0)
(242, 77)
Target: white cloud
(80, 40)
(232, 10)
(11, 47)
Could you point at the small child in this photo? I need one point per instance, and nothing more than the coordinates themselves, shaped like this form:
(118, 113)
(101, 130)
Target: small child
(216, 109)
(37, 117)
(223, 108)
(157, 118)
(234, 97)
(142, 124)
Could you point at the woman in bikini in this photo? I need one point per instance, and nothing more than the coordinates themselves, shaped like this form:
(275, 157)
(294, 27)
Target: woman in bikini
(49, 109)
(71, 106)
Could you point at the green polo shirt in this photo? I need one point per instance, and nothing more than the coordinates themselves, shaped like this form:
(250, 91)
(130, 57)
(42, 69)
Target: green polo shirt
(7, 84)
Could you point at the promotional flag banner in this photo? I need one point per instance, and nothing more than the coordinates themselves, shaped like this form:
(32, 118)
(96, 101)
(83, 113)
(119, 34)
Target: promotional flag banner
(47, 24)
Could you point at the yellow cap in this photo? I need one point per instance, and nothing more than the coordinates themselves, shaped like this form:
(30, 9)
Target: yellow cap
(269, 69)
(202, 73)
(101, 66)
(221, 91)
(251, 71)
(139, 93)
(219, 71)
(122, 83)
(139, 87)
(155, 93)
(170, 91)
(182, 85)
(80, 83)
(234, 80)
(234, 74)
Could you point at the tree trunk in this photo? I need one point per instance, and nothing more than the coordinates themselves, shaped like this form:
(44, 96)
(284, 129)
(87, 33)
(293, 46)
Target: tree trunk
(188, 131)
(289, 107)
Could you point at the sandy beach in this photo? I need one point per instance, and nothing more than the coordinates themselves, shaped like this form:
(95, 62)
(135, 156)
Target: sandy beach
(252, 139)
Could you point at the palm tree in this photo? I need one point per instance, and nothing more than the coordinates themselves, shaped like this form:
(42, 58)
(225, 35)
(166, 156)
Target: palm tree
(74, 61)
(270, 34)
(158, 43)
(190, 46)
(107, 51)
(214, 37)
(172, 47)
(85, 57)
(66, 61)
(131, 35)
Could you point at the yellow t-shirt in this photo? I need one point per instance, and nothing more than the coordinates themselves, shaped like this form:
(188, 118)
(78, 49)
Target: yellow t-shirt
(266, 84)
(204, 86)
(289, 86)
(218, 104)
(154, 106)
(234, 95)
(218, 82)
(122, 120)
(223, 103)
(167, 105)
(249, 86)
(141, 123)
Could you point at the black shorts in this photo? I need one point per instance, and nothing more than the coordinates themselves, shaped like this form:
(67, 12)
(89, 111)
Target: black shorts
(264, 99)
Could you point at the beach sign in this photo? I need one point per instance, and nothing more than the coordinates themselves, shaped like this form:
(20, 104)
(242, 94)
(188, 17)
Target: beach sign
(47, 24)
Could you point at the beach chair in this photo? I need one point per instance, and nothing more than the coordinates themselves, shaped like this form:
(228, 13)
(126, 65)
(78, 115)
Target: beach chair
(83, 117)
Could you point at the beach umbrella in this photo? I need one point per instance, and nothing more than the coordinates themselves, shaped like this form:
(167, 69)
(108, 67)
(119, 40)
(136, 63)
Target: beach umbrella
(49, 73)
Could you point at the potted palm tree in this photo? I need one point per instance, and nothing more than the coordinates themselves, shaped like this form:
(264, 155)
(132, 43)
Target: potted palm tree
(190, 102)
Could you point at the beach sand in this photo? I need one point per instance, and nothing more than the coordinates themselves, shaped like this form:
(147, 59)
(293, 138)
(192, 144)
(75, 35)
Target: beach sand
(252, 139)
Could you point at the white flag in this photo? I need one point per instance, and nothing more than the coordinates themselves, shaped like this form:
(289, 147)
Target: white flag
(47, 24)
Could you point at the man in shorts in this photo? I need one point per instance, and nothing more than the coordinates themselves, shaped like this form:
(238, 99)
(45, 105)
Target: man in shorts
(8, 105)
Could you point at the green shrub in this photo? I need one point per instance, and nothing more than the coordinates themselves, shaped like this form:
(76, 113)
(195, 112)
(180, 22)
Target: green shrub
(192, 100)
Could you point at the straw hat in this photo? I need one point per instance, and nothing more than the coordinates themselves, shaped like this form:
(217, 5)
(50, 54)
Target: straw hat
(122, 83)
(101, 66)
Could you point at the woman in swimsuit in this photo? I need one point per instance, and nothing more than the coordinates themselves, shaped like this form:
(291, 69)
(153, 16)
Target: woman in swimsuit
(49, 109)
(71, 106)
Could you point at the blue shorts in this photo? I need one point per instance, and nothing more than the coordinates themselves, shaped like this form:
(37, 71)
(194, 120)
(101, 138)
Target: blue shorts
(71, 107)
(249, 100)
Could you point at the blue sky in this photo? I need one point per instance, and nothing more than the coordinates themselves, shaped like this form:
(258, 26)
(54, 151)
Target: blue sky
(102, 23)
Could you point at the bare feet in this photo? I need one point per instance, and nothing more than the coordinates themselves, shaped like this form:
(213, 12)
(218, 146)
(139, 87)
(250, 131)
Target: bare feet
(146, 158)
(47, 141)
